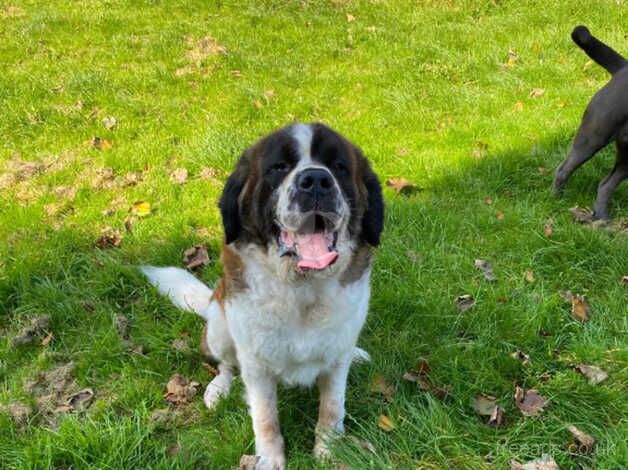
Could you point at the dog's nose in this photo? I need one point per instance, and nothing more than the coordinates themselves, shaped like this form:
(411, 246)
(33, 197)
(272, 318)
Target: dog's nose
(315, 180)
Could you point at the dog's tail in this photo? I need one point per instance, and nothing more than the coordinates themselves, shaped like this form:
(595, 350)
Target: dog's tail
(597, 50)
(181, 287)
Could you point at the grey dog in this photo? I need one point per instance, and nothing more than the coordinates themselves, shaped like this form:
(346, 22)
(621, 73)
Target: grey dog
(605, 119)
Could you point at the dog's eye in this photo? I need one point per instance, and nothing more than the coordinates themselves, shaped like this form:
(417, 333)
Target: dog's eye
(280, 167)
(339, 166)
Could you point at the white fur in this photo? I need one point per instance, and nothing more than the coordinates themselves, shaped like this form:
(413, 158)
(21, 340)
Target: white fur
(303, 135)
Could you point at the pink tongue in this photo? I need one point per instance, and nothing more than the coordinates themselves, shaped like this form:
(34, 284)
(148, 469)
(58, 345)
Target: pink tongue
(314, 252)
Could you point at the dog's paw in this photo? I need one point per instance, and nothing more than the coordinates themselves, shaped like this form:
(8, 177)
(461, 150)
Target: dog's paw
(271, 462)
(217, 389)
(360, 355)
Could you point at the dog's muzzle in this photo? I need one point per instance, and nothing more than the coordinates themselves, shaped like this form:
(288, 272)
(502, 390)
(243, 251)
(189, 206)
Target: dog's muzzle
(316, 201)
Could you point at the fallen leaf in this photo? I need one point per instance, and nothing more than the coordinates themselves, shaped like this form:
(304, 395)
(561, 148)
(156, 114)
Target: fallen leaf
(385, 423)
(587, 65)
(595, 374)
(350, 18)
(18, 411)
(195, 257)
(46, 340)
(488, 201)
(580, 309)
(529, 276)
(181, 345)
(236, 74)
(537, 92)
(401, 185)
(121, 324)
(486, 268)
(484, 404)
(109, 123)
(582, 214)
(258, 104)
(109, 238)
(248, 462)
(58, 89)
(518, 106)
(180, 390)
(179, 176)
(585, 442)
(521, 356)
(499, 215)
(548, 228)
(497, 417)
(140, 208)
(29, 333)
(624, 281)
(544, 463)
(464, 302)
(543, 170)
(480, 150)
(379, 385)
(98, 143)
(529, 402)
(513, 58)
(80, 400)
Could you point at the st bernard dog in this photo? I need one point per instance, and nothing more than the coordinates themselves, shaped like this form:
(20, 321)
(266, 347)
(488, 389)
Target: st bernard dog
(301, 213)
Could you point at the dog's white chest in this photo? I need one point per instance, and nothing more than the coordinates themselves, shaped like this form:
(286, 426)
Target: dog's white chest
(297, 330)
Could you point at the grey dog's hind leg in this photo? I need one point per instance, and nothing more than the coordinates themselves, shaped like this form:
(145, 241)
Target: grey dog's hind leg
(593, 134)
(616, 176)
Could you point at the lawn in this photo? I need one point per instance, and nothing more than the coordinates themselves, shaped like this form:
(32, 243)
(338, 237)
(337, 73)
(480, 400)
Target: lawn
(474, 102)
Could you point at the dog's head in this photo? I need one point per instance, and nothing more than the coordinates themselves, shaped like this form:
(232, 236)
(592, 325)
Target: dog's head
(307, 195)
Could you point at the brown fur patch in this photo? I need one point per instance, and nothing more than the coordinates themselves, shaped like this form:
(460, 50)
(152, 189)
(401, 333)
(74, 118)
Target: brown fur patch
(360, 262)
(232, 280)
(204, 348)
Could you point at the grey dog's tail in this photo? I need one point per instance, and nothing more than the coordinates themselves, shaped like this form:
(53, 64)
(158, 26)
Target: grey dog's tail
(597, 50)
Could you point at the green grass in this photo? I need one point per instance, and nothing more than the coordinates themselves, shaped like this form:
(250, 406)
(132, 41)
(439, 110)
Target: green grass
(418, 85)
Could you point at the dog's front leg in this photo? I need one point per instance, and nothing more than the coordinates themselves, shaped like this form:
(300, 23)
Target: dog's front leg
(331, 412)
(261, 390)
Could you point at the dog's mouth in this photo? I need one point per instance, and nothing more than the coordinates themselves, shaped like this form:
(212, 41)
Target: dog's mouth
(313, 244)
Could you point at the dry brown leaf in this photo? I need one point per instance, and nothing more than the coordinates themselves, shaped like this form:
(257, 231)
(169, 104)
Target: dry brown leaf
(488, 201)
(385, 423)
(544, 463)
(180, 390)
(401, 185)
(499, 215)
(580, 309)
(258, 104)
(121, 324)
(464, 302)
(109, 122)
(98, 143)
(582, 214)
(248, 462)
(480, 150)
(179, 176)
(543, 170)
(518, 106)
(195, 257)
(109, 238)
(595, 374)
(486, 268)
(350, 18)
(513, 58)
(80, 400)
(18, 411)
(537, 92)
(46, 339)
(379, 385)
(587, 65)
(548, 228)
(29, 333)
(530, 402)
(521, 356)
(484, 404)
(529, 276)
(585, 442)
(236, 74)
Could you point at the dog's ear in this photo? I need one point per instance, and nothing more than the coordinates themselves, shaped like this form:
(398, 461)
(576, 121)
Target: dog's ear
(229, 202)
(373, 220)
